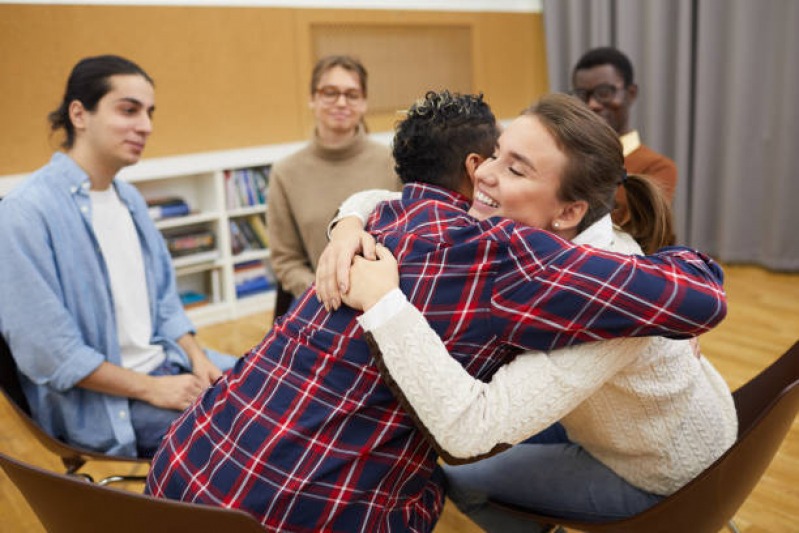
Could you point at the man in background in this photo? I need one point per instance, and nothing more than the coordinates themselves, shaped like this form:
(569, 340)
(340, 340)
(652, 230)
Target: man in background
(603, 78)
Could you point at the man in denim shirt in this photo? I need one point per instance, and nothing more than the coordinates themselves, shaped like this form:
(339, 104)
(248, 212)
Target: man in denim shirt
(88, 300)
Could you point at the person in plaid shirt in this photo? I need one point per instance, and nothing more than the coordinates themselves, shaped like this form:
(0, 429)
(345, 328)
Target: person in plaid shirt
(303, 433)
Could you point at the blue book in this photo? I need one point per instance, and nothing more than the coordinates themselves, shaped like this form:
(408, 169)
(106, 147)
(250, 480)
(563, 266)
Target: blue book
(158, 212)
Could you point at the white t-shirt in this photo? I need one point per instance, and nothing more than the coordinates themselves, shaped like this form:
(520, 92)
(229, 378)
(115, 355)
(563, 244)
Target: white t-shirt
(121, 249)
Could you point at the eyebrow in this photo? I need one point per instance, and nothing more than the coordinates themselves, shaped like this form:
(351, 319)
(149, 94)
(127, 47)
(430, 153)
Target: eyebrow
(136, 102)
(519, 157)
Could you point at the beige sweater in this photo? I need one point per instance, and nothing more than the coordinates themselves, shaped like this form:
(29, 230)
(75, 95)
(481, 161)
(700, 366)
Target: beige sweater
(647, 408)
(305, 189)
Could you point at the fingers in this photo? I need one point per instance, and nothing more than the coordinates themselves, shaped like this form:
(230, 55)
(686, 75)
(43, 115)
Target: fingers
(326, 290)
(384, 254)
(343, 273)
(368, 246)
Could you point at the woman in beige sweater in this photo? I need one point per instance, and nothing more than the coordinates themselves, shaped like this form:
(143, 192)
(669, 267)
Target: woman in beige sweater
(639, 418)
(305, 188)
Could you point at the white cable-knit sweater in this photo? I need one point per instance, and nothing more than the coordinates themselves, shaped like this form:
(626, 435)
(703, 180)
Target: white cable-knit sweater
(647, 408)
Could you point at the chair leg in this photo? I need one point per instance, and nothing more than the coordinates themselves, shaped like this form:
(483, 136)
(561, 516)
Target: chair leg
(117, 479)
(731, 525)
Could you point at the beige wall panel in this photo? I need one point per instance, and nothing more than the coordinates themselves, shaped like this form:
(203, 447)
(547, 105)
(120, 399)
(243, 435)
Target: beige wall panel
(230, 77)
(405, 61)
(510, 61)
(225, 78)
(308, 19)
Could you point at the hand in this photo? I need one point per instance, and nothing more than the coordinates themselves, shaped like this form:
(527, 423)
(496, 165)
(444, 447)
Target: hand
(201, 367)
(204, 369)
(333, 269)
(173, 392)
(371, 280)
(695, 347)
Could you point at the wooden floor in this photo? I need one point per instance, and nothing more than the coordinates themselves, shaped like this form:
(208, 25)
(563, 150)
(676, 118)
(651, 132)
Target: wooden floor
(763, 321)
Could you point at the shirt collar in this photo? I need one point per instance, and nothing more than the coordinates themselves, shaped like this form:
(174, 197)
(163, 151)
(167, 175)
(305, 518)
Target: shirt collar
(71, 175)
(76, 181)
(630, 142)
(425, 191)
(599, 234)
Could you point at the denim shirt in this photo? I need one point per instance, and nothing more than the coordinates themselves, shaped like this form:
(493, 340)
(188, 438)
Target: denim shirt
(57, 309)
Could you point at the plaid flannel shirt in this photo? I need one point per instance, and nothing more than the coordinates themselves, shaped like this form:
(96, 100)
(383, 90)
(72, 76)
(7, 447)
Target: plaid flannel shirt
(305, 435)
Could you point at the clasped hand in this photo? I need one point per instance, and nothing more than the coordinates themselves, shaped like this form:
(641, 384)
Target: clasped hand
(353, 269)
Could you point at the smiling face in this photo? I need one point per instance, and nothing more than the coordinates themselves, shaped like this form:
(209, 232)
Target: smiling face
(521, 179)
(607, 95)
(342, 114)
(116, 132)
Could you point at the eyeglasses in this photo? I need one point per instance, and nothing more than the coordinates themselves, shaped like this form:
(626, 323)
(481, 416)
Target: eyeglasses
(330, 95)
(603, 93)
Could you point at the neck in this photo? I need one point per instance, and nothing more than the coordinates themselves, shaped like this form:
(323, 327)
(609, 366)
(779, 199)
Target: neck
(567, 234)
(101, 173)
(335, 139)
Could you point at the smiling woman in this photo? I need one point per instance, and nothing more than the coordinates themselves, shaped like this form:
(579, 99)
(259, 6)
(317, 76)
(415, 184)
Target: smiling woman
(306, 187)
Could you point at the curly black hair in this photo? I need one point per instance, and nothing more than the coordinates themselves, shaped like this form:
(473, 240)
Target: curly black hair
(440, 130)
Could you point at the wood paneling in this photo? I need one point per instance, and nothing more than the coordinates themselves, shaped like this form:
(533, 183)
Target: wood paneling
(237, 77)
(404, 61)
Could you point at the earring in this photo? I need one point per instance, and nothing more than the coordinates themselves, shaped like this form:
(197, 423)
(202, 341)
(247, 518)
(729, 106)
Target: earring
(556, 225)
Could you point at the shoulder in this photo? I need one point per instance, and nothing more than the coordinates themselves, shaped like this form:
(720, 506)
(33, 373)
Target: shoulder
(623, 243)
(286, 164)
(37, 193)
(377, 148)
(647, 157)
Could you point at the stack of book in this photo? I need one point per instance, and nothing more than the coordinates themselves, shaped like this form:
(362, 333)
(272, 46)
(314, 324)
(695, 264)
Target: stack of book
(246, 187)
(190, 240)
(252, 277)
(248, 233)
(192, 299)
(168, 207)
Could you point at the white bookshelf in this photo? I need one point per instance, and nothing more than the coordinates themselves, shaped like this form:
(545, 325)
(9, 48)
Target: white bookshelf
(199, 179)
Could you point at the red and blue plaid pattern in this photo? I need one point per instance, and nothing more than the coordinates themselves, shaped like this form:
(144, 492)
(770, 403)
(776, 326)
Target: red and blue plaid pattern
(303, 433)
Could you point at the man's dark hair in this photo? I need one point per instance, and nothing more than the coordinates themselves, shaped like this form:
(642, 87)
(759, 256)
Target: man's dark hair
(432, 142)
(88, 83)
(607, 55)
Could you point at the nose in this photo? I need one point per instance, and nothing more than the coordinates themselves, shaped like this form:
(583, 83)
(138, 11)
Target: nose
(485, 173)
(145, 124)
(341, 99)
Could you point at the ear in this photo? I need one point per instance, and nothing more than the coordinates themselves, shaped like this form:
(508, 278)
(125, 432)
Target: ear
(77, 114)
(570, 216)
(472, 162)
(632, 92)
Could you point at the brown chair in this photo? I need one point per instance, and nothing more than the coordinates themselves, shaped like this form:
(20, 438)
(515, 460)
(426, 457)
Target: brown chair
(65, 504)
(283, 299)
(73, 457)
(767, 406)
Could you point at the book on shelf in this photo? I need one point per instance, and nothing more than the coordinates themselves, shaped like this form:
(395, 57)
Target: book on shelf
(189, 241)
(252, 277)
(192, 299)
(247, 234)
(167, 207)
(257, 224)
(246, 187)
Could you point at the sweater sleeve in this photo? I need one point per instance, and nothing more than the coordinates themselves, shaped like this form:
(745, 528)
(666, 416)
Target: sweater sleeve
(361, 204)
(288, 257)
(467, 419)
